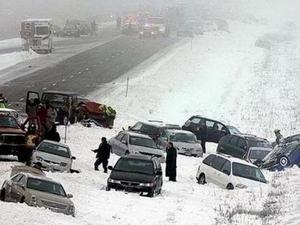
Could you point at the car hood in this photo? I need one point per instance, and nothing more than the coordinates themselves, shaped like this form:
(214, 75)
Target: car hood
(51, 157)
(146, 150)
(40, 195)
(9, 130)
(187, 145)
(134, 177)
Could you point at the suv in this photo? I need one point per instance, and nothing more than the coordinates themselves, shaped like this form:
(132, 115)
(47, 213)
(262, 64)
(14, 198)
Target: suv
(38, 191)
(12, 138)
(137, 173)
(245, 146)
(152, 128)
(283, 155)
(215, 129)
(65, 103)
(229, 172)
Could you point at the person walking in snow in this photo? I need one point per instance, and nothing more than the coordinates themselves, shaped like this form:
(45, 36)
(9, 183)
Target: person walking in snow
(103, 153)
(202, 134)
(279, 137)
(171, 162)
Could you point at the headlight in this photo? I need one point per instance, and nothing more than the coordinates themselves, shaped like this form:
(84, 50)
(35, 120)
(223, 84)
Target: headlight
(146, 184)
(161, 29)
(63, 164)
(242, 186)
(71, 208)
(38, 158)
(114, 181)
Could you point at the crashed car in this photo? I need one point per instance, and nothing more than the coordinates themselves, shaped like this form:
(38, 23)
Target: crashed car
(12, 138)
(184, 141)
(245, 146)
(38, 191)
(282, 156)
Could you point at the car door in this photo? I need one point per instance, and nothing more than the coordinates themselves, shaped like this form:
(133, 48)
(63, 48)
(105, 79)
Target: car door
(241, 149)
(14, 191)
(224, 175)
(217, 165)
(30, 98)
(206, 168)
(115, 143)
(215, 131)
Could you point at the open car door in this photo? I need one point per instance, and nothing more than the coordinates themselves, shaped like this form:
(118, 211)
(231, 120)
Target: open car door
(31, 97)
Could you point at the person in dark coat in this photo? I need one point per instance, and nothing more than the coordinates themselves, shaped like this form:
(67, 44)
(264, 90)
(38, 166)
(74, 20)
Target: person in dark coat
(103, 153)
(202, 135)
(171, 162)
(279, 137)
(53, 135)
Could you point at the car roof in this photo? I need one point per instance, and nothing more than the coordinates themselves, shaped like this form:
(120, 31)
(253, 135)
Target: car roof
(233, 159)
(138, 156)
(131, 133)
(55, 143)
(158, 123)
(249, 137)
(60, 92)
(214, 120)
(177, 131)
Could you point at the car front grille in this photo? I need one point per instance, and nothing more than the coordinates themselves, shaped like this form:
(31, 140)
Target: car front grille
(128, 183)
(13, 139)
(54, 204)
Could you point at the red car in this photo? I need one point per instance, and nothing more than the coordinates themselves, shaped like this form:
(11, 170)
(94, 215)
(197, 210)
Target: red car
(12, 138)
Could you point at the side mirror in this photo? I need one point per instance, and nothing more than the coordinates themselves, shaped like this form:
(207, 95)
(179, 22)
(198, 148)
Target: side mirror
(69, 196)
(110, 167)
(73, 157)
(159, 173)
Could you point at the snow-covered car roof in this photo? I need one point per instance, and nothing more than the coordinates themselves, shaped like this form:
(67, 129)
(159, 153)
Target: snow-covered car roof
(131, 133)
(177, 131)
(233, 159)
(159, 123)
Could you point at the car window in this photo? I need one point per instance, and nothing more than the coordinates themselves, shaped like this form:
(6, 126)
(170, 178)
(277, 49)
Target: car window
(246, 171)
(134, 166)
(22, 180)
(226, 167)
(142, 141)
(233, 140)
(259, 143)
(119, 136)
(218, 163)
(195, 120)
(16, 178)
(164, 134)
(183, 137)
(124, 139)
(137, 126)
(210, 124)
(208, 160)
(54, 149)
(46, 186)
(8, 121)
(242, 143)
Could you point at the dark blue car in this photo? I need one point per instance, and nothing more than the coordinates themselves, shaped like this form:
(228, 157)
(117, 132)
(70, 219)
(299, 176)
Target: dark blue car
(283, 155)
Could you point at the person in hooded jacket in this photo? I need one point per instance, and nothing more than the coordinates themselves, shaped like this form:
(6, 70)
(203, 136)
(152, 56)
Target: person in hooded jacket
(103, 153)
(171, 162)
(278, 135)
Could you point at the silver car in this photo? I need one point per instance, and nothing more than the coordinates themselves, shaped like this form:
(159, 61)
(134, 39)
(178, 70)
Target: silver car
(184, 141)
(53, 156)
(38, 191)
(127, 142)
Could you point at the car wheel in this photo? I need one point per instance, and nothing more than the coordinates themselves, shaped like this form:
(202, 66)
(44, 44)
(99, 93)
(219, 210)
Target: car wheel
(2, 195)
(107, 188)
(73, 119)
(22, 200)
(229, 186)
(151, 193)
(201, 179)
(284, 161)
(127, 152)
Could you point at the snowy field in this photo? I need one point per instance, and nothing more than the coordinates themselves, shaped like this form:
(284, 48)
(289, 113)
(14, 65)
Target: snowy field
(223, 75)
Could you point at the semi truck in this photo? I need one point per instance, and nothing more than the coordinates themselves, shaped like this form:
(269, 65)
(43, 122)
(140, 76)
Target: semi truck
(37, 35)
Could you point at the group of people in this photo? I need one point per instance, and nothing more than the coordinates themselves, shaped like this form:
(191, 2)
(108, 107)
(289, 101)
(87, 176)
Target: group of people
(103, 154)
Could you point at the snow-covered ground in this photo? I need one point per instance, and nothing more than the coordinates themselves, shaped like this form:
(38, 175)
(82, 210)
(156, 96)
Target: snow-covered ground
(221, 75)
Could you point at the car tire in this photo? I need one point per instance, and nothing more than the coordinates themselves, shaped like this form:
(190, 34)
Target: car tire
(2, 195)
(151, 193)
(22, 200)
(230, 186)
(73, 119)
(201, 179)
(284, 161)
(127, 152)
(21, 157)
(107, 188)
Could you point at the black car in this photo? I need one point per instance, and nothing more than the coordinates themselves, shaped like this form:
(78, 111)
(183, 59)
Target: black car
(137, 173)
(64, 102)
(153, 128)
(245, 146)
(282, 156)
(215, 129)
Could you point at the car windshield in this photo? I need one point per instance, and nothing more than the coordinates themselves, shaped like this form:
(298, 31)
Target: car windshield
(258, 154)
(259, 143)
(141, 141)
(183, 137)
(135, 166)
(249, 172)
(233, 130)
(56, 100)
(43, 30)
(46, 186)
(8, 121)
(54, 149)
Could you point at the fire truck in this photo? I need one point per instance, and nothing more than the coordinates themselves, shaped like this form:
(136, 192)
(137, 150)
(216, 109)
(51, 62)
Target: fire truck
(37, 35)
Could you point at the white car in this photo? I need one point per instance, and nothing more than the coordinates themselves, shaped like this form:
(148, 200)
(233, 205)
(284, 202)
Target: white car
(229, 172)
(53, 156)
(184, 141)
(127, 142)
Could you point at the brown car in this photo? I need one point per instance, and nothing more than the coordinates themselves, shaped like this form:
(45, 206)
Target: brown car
(12, 138)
